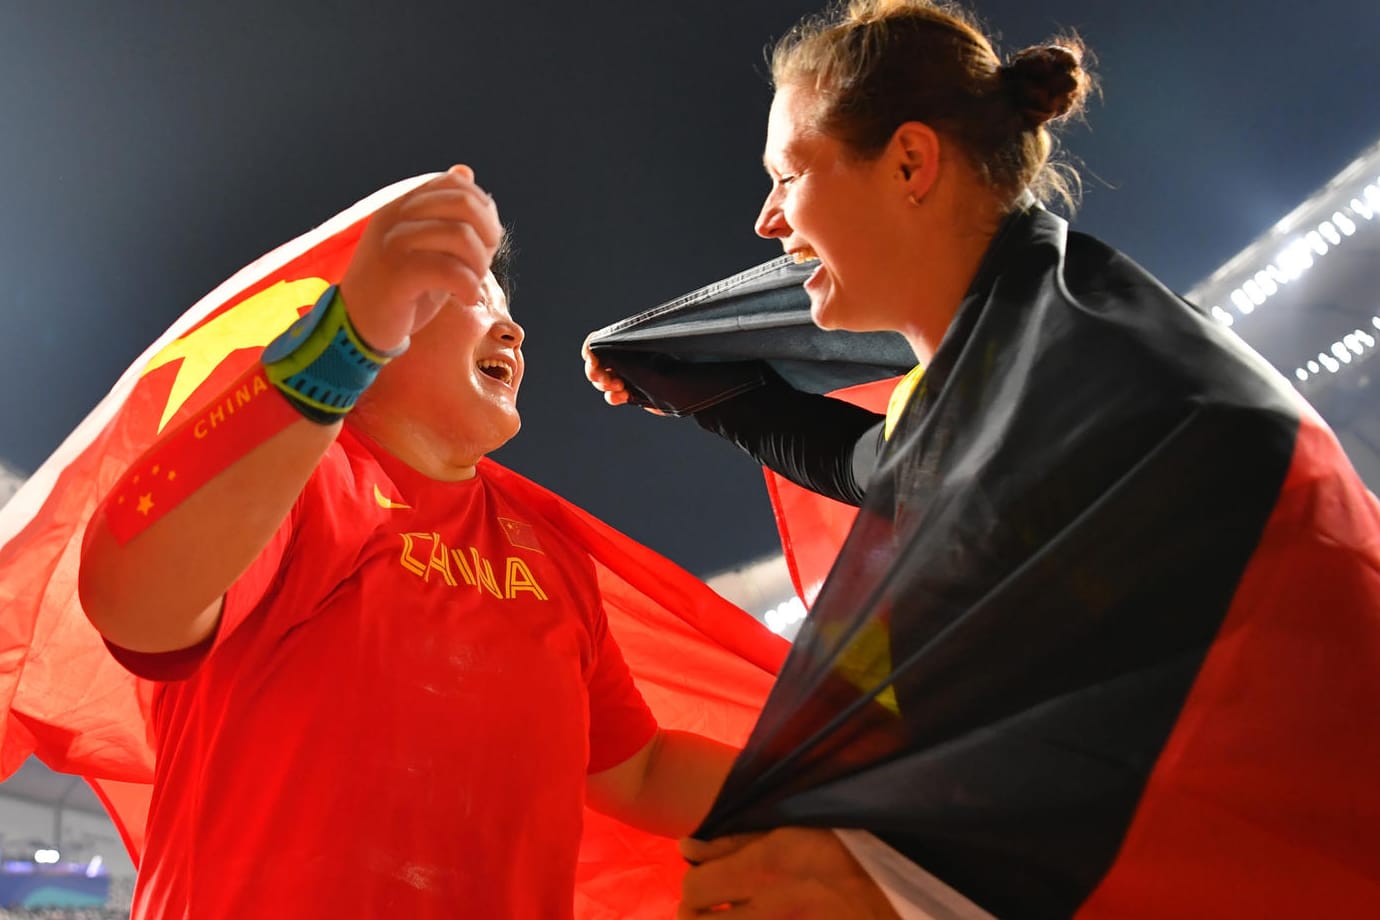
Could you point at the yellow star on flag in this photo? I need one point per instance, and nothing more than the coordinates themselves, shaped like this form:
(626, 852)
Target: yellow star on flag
(252, 323)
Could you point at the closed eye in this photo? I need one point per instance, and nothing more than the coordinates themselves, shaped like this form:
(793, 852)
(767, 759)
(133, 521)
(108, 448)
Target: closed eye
(778, 179)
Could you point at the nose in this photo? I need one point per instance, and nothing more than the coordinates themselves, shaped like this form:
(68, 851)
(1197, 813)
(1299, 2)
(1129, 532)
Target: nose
(771, 223)
(508, 332)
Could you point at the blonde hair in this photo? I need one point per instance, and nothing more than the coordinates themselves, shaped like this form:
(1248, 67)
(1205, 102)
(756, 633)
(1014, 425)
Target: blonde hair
(876, 64)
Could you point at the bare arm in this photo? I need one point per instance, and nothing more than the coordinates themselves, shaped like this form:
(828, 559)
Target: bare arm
(162, 589)
(665, 788)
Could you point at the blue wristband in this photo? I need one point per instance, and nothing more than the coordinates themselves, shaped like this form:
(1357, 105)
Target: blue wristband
(321, 364)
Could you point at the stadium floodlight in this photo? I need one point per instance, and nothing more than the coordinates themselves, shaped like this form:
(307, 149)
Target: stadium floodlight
(1296, 243)
(1353, 345)
(46, 856)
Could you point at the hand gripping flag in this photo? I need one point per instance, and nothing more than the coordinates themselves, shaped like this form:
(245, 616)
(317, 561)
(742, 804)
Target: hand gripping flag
(65, 700)
(723, 339)
(1102, 641)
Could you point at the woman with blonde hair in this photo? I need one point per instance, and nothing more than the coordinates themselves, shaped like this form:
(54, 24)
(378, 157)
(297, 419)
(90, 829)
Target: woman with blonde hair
(1101, 639)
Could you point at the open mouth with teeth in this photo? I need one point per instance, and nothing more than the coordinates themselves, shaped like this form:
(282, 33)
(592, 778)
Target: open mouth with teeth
(498, 370)
(805, 255)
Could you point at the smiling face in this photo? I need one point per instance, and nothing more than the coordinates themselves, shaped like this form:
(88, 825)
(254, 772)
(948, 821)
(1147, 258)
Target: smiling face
(826, 204)
(457, 383)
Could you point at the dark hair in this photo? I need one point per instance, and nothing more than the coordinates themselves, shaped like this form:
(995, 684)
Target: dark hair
(876, 64)
(503, 266)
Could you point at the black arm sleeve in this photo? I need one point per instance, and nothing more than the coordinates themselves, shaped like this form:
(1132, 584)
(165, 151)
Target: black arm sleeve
(825, 445)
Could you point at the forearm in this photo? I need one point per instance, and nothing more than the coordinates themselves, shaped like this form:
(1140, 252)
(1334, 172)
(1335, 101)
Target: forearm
(160, 589)
(822, 444)
(674, 786)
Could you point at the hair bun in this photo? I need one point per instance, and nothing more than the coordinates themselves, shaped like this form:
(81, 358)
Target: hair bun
(1047, 82)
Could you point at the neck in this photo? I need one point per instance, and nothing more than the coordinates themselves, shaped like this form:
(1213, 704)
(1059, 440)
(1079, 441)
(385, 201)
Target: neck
(960, 228)
(425, 450)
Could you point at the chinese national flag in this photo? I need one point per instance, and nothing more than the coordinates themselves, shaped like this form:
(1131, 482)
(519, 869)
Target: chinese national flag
(702, 664)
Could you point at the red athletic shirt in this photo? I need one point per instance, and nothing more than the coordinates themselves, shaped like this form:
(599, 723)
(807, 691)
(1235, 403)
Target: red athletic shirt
(396, 716)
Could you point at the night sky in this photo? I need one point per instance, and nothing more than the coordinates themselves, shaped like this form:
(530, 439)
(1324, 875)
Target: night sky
(150, 150)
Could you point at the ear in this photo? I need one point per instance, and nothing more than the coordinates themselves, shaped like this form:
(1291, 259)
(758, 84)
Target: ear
(914, 151)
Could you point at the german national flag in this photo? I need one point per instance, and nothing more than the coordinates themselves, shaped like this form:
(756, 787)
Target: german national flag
(1104, 639)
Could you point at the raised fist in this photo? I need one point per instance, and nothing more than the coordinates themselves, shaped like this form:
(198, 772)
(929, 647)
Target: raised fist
(433, 243)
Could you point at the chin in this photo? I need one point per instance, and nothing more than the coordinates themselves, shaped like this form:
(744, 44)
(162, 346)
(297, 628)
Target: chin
(512, 429)
(819, 312)
(847, 316)
(505, 430)
(483, 434)
(827, 315)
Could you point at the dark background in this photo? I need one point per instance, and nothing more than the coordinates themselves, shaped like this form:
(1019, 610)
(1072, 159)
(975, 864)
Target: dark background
(150, 150)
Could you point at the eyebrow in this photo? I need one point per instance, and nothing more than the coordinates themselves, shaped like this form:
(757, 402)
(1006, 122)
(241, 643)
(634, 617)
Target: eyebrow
(789, 153)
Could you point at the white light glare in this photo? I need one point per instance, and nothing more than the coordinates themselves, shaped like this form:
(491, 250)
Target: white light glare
(785, 615)
(1301, 374)
(1375, 321)
(93, 868)
(1313, 367)
(46, 857)
(1299, 255)
(1329, 362)
(1341, 352)
(1295, 259)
